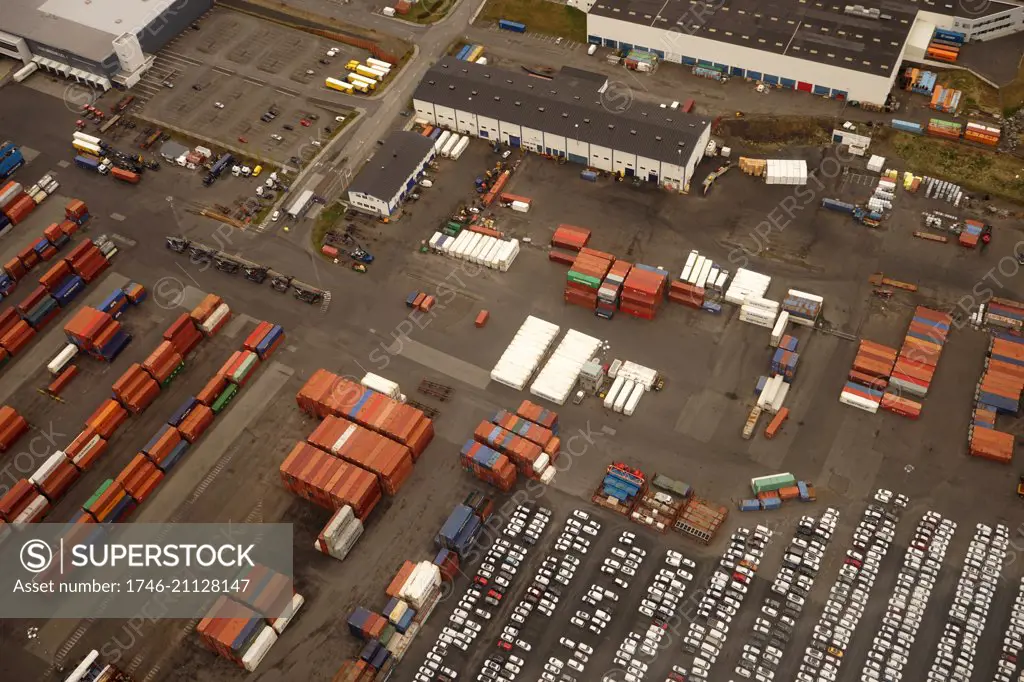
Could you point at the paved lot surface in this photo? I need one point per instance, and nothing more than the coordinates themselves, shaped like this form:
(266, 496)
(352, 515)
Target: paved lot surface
(689, 431)
(249, 66)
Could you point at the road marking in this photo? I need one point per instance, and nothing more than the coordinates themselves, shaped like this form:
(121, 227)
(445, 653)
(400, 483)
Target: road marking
(118, 217)
(286, 91)
(120, 238)
(63, 164)
(438, 361)
(325, 302)
(223, 71)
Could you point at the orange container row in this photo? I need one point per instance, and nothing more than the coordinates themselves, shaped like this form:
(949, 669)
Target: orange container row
(391, 462)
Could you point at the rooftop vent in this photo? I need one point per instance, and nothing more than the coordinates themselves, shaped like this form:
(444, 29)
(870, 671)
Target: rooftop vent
(564, 115)
(474, 92)
(632, 132)
(451, 87)
(540, 108)
(862, 11)
(586, 120)
(658, 138)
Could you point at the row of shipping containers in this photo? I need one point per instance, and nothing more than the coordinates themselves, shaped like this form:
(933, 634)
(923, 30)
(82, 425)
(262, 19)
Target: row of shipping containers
(973, 131)
(17, 201)
(243, 627)
(512, 444)
(998, 392)
(132, 393)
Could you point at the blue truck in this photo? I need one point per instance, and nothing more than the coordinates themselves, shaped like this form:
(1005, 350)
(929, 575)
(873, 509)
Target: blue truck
(87, 162)
(511, 26)
(222, 163)
(11, 159)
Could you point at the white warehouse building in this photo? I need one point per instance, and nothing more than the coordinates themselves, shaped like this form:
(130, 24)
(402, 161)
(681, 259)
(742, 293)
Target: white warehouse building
(846, 51)
(391, 174)
(576, 115)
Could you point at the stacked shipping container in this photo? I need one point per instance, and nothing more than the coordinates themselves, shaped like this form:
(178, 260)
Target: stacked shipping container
(869, 376)
(585, 276)
(998, 392)
(919, 355)
(643, 291)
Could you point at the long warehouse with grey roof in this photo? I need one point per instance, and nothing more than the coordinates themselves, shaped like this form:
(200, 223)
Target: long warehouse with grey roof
(831, 49)
(574, 114)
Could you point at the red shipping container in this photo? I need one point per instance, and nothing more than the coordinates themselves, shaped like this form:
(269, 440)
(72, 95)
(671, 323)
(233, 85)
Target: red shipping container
(140, 478)
(394, 588)
(183, 334)
(59, 481)
(392, 462)
(62, 380)
(561, 257)
(329, 482)
(75, 209)
(17, 498)
(258, 334)
(12, 427)
(55, 275)
(68, 227)
(162, 362)
(169, 439)
(8, 318)
(86, 448)
(19, 336)
(901, 406)
(107, 418)
(196, 423)
(570, 237)
(15, 268)
(20, 210)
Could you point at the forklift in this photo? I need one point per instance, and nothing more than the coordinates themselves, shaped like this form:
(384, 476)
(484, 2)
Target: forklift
(177, 244)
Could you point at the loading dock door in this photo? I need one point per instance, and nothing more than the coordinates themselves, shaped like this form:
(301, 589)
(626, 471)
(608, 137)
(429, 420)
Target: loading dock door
(652, 177)
(513, 141)
(804, 87)
(576, 158)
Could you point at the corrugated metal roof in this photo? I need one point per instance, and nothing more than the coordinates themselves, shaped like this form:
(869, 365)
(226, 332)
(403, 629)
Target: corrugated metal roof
(816, 31)
(567, 106)
(385, 174)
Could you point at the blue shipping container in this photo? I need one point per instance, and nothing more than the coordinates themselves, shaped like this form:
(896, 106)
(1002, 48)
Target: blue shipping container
(114, 348)
(907, 126)
(802, 487)
(589, 175)
(369, 650)
(455, 522)
(512, 26)
(67, 293)
(1001, 404)
(761, 381)
(836, 205)
(183, 411)
(357, 621)
(405, 621)
(750, 505)
(176, 454)
(771, 502)
(269, 340)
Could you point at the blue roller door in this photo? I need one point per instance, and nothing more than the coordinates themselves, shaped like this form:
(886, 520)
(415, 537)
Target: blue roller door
(689, 61)
(736, 71)
(594, 40)
(630, 172)
(576, 158)
(771, 80)
(754, 75)
(608, 42)
(652, 177)
(625, 47)
(788, 83)
(513, 141)
(723, 67)
(484, 134)
(821, 90)
(660, 53)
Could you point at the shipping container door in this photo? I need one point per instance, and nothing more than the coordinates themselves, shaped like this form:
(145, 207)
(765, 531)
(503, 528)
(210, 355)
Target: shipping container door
(821, 90)
(771, 80)
(804, 87)
(576, 158)
(736, 71)
(788, 83)
(514, 141)
(839, 94)
(754, 75)
(689, 61)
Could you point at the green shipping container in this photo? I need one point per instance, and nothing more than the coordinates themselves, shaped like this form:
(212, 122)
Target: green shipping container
(177, 370)
(587, 280)
(765, 484)
(224, 398)
(386, 634)
(248, 364)
(99, 491)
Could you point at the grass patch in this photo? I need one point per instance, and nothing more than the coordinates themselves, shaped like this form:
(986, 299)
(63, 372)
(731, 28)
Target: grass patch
(975, 169)
(977, 94)
(429, 11)
(770, 132)
(325, 222)
(540, 16)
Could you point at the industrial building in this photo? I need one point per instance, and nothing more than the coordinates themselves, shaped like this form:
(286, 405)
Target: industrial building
(834, 50)
(100, 43)
(575, 114)
(391, 174)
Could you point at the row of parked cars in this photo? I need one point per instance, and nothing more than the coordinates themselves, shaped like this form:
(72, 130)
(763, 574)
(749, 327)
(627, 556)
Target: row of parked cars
(774, 626)
(722, 600)
(849, 595)
(890, 649)
(1013, 639)
(975, 590)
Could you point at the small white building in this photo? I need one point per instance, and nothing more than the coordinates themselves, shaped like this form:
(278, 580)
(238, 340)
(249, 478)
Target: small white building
(391, 174)
(575, 114)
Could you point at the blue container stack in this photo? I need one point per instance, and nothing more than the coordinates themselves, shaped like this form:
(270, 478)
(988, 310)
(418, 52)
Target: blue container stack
(40, 314)
(784, 363)
(621, 485)
(176, 454)
(68, 290)
(750, 505)
(908, 126)
(358, 621)
(182, 412)
(114, 304)
(460, 530)
(770, 503)
(836, 205)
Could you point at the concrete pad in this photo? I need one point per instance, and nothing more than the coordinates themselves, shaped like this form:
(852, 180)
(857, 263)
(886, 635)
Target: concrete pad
(702, 414)
(441, 362)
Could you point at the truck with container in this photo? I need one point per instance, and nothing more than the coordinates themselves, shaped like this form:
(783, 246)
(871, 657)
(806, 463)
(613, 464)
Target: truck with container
(221, 164)
(379, 64)
(11, 159)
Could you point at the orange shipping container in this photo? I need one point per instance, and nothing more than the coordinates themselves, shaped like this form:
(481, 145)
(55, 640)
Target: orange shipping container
(169, 438)
(140, 478)
(789, 493)
(328, 481)
(214, 387)
(86, 448)
(395, 586)
(390, 461)
(205, 307)
(12, 427)
(19, 336)
(771, 431)
(196, 423)
(107, 418)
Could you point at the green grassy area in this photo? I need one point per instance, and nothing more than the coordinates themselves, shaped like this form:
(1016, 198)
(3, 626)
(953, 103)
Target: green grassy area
(325, 222)
(976, 169)
(978, 96)
(540, 16)
(429, 11)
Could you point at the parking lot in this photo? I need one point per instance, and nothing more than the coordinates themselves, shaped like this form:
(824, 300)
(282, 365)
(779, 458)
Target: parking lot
(218, 81)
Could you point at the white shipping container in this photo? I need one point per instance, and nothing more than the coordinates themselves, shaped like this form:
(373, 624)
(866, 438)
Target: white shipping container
(33, 513)
(613, 392)
(281, 623)
(215, 318)
(520, 206)
(446, 150)
(381, 385)
(48, 467)
(541, 463)
(548, 476)
(460, 147)
(860, 402)
(780, 329)
(620, 400)
(435, 240)
(697, 267)
(779, 398)
(338, 522)
(691, 260)
(559, 375)
(64, 357)
(257, 651)
(638, 374)
(634, 399)
(508, 255)
(442, 140)
(522, 356)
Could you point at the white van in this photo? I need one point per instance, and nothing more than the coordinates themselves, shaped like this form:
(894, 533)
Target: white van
(592, 49)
